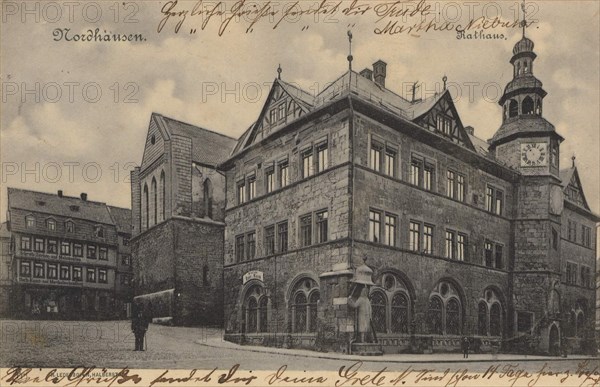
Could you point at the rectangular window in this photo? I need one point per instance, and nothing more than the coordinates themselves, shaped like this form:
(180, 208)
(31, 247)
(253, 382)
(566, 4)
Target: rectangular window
(270, 240)
(461, 247)
(415, 236)
(65, 272)
(51, 224)
(270, 180)
(416, 171)
(77, 273)
(586, 236)
(77, 250)
(52, 247)
(102, 277)
(284, 174)
(306, 230)
(444, 124)
(25, 243)
(427, 239)
(239, 248)
(103, 253)
(375, 156)
(25, 269)
(451, 184)
(499, 257)
(449, 251)
(65, 248)
(273, 116)
(126, 260)
(307, 163)
(571, 273)
(389, 237)
(250, 245)
(489, 254)
(91, 252)
(282, 237)
(70, 227)
(494, 200)
(38, 245)
(251, 187)
(428, 177)
(38, 270)
(554, 154)
(322, 157)
(572, 231)
(241, 192)
(460, 188)
(52, 271)
(281, 112)
(554, 239)
(30, 222)
(90, 275)
(321, 219)
(374, 226)
(390, 162)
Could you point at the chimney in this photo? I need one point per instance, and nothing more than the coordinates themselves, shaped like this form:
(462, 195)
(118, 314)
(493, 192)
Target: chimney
(379, 72)
(367, 73)
(60, 193)
(83, 196)
(470, 130)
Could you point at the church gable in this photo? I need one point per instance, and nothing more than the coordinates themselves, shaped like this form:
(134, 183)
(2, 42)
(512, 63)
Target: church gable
(574, 191)
(155, 144)
(443, 119)
(282, 107)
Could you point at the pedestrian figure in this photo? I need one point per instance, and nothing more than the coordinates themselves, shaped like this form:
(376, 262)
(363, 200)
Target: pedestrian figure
(139, 326)
(465, 344)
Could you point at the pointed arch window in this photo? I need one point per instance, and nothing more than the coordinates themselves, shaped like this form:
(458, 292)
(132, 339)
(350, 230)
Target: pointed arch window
(482, 323)
(527, 107)
(208, 198)
(390, 305)
(490, 317)
(445, 310)
(303, 308)
(153, 194)
(513, 108)
(435, 316)
(252, 315)
(378, 311)
(262, 314)
(399, 323)
(161, 190)
(145, 213)
(255, 310)
(495, 320)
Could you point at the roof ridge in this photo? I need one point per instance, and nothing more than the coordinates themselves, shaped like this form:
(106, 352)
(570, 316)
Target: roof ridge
(195, 126)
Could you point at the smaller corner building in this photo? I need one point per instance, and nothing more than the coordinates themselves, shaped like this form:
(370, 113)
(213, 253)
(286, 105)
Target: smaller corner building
(178, 208)
(62, 257)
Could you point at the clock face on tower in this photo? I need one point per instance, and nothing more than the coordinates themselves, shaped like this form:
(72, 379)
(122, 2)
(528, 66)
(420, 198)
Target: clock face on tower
(534, 154)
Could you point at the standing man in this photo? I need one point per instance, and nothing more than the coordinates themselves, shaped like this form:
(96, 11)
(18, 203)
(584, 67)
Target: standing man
(465, 347)
(139, 326)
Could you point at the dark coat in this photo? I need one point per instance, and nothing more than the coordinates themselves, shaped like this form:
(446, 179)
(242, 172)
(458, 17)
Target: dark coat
(140, 322)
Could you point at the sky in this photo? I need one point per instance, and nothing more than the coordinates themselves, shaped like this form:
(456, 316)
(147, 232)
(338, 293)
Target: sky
(75, 113)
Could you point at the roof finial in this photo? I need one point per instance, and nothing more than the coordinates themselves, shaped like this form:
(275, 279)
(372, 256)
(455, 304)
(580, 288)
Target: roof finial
(279, 70)
(444, 79)
(573, 160)
(350, 54)
(524, 22)
(414, 90)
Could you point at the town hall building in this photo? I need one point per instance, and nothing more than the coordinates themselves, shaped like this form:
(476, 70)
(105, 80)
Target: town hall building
(493, 240)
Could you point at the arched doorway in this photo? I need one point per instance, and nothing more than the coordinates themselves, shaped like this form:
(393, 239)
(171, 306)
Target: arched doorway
(554, 341)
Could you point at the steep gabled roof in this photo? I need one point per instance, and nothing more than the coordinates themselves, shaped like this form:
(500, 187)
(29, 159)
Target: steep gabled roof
(66, 206)
(4, 233)
(570, 178)
(122, 218)
(208, 147)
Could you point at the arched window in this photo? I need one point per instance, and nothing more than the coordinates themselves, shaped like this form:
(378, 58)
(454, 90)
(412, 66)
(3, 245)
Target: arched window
(580, 324)
(513, 108)
(303, 308)
(252, 315)
(312, 311)
(262, 314)
(390, 304)
(378, 311)
(153, 194)
(145, 213)
(162, 190)
(453, 317)
(496, 320)
(573, 323)
(300, 305)
(518, 68)
(527, 107)
(482, 324)
(538, 107)
(255, 310)
(434, 316)
(525, 67)
(399, 313)
(208, 198)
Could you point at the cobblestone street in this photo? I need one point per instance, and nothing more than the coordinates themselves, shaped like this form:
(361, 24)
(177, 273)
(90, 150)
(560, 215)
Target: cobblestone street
(110, 344)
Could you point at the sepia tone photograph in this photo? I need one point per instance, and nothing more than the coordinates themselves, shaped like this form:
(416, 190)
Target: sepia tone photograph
(309, 193)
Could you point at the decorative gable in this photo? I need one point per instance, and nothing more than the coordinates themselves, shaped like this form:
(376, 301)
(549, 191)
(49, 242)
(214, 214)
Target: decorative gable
(155, 141)
(283, 105)
(443, 119)
(574, 191)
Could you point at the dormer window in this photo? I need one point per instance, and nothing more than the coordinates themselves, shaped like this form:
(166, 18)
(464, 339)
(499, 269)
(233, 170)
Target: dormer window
(30, 221)
(70, 227)
(99, 231)
(51, 224)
